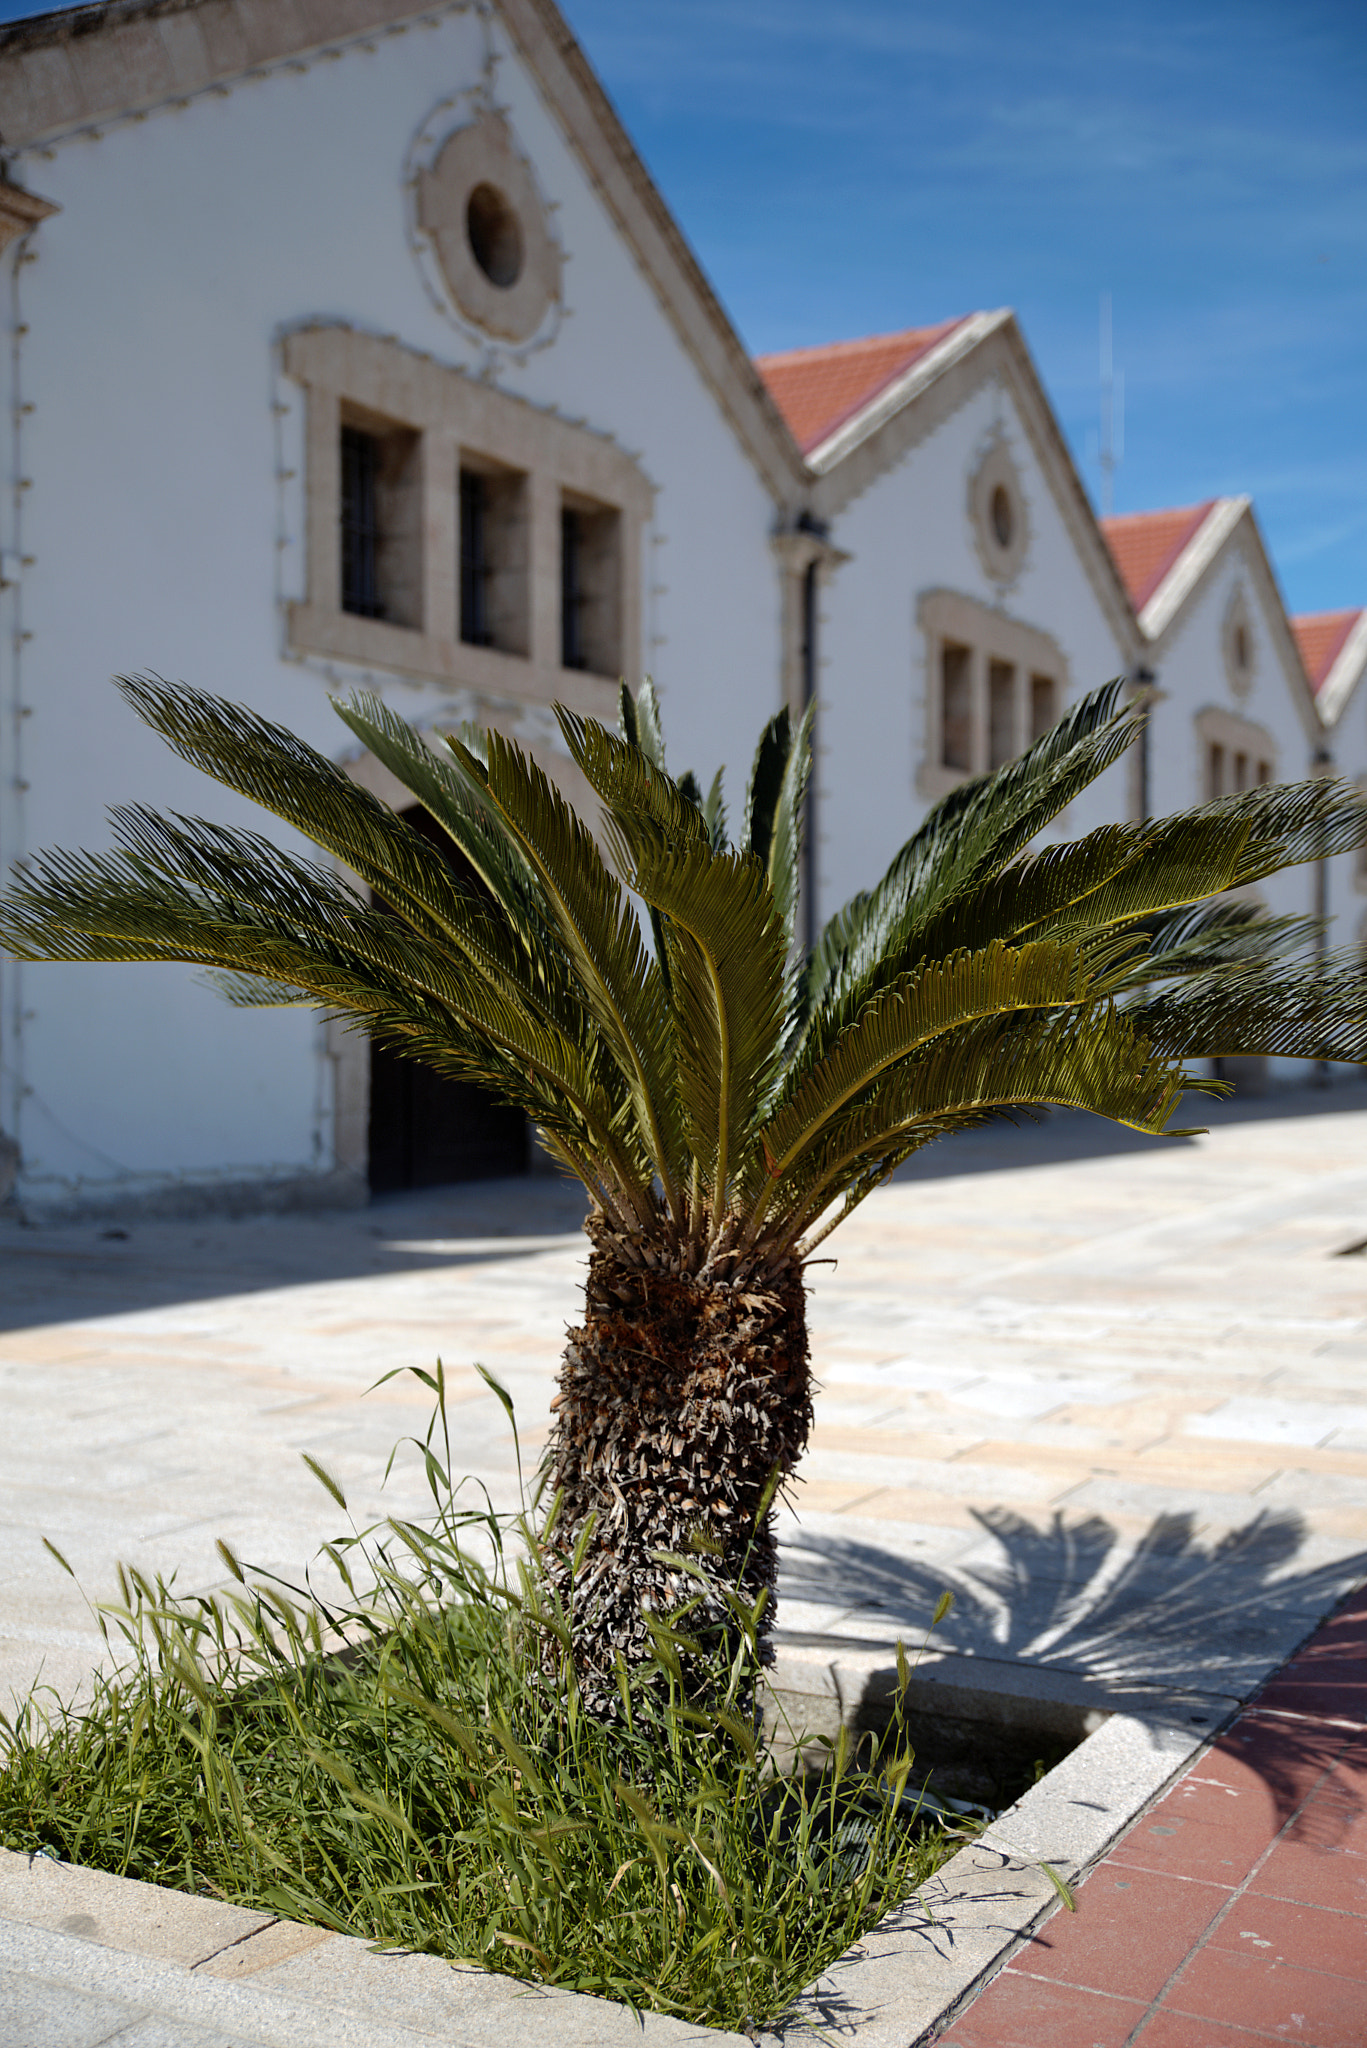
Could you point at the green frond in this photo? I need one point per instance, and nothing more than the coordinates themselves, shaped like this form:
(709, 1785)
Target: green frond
(638, 720)
(279, 771)
(461, 807)
(636, 791)
(897, 1024)
(206, 896)
(620, 984)
(714, 814)
(1244, 1009)
(1197, 938)
(726, 951)
(774, 809)
(1091, 1058)
(1121, 874)
(965, 840)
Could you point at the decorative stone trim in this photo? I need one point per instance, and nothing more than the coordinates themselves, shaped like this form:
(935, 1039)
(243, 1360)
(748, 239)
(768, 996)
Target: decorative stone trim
(20, 212)
(1228, 739)
(986, 638)
(997, 513)
(456, 416)
(66, 73)
(478, 203)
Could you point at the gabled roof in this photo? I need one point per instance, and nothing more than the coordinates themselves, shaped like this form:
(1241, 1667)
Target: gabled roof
(1163, 555)
(1146, 545)
(78, 69)
(1164, 558)
(820, 389)
(1333, 646)
(858, 408)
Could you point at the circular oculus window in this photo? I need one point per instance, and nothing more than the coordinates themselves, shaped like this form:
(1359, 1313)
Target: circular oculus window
(479, 205)
(495, 236)
(996, 508)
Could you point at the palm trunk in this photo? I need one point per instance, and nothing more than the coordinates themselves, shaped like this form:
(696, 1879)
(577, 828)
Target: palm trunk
(679, 1399)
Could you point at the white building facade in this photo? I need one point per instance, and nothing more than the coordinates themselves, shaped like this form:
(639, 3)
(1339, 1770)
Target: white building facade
(352, 347)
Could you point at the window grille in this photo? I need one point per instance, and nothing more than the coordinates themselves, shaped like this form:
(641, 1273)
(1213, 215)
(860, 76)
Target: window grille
(474, 559)
(360, 524)
(572, 594)
(956, 707)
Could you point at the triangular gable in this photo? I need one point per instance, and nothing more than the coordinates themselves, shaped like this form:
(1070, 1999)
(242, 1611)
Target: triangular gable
(819, 390)
(1165, 558)
(913, 382)
(82, 68)
(1333, 647)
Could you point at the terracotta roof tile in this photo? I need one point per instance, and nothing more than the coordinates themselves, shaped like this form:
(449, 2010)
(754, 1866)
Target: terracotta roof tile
(1145, 546)
(818, 389)
(1320, 637)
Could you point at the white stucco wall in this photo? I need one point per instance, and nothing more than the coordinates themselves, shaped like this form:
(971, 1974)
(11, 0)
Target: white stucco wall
(907, 534)
(162, 537)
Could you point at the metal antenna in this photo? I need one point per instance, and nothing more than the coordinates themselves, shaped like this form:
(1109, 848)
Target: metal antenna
(1112, 413)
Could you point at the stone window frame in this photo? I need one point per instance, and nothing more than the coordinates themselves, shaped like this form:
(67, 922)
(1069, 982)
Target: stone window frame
(343, 371)
(1237, 737)
(996, 471)
(948, 618)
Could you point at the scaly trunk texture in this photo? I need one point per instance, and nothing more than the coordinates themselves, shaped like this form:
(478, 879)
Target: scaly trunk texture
(679, 1396)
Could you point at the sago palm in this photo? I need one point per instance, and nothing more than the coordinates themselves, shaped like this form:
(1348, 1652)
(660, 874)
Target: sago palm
(635, 987)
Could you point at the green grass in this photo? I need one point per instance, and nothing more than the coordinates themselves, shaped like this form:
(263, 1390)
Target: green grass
(410, 1763)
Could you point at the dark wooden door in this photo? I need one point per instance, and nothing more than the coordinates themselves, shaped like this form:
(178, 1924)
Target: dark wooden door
(426, 1130)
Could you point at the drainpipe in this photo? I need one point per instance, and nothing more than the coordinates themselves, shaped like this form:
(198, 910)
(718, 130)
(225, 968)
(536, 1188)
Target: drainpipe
(810, 595)
(1142, 681)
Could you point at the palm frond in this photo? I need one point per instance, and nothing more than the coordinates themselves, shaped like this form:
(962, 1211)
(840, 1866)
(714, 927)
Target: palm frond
(1120, 874)
(1091, 1058)
(279, 771)
(460, 805)
(774, 807)
(1244, 1009)
(942, 996)
(203, 895)
(727, 952)
(620, 983)
(966, 839)
(1199, 938)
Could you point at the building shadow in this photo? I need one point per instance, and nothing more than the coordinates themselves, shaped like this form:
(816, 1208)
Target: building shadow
(1175, 1612)
(119, 1266)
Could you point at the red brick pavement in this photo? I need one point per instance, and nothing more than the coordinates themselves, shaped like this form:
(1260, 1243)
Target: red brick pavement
(1234, 1911)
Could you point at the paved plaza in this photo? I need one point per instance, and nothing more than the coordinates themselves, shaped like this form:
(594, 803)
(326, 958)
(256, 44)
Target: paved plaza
(1110, 1391)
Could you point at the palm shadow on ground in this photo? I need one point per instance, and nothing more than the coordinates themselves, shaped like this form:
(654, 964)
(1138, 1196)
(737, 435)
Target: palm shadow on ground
(1178, 1611)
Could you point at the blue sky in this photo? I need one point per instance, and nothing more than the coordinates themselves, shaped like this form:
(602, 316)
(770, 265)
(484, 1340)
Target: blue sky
(879, 164)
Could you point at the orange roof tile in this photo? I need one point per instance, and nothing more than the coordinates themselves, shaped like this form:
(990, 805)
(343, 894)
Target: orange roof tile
(1145, 546)
(1320, 637)
(818, 389)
